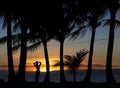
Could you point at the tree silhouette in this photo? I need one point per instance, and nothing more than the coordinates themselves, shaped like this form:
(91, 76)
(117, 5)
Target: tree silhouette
(23, 52)
(23, 22)
(88, 15)
(40, 26)
(64, 25)
(41, 34)
(41, 37)
(11, 75)
(7, 13)
(97, 11)
(112, 7)
(73, 62)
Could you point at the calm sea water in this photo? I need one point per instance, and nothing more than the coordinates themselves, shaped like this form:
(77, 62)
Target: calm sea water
(97, 76)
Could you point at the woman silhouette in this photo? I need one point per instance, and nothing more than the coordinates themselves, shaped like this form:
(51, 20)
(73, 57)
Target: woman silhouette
(37, 66)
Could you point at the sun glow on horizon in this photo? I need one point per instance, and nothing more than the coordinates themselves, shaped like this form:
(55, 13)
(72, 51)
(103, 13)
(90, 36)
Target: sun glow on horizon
(30, 67)
(42, 68)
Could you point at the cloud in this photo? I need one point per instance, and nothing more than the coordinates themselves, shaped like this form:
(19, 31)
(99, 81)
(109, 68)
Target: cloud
(98, 65)
(95, 66)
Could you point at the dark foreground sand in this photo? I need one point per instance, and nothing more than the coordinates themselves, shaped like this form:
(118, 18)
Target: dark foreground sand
(57, 85)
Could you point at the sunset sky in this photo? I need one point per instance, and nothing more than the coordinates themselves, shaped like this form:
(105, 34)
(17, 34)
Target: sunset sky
(70, 48)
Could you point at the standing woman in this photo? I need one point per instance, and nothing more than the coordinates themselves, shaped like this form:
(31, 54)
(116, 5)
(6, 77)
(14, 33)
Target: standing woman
(37, 66)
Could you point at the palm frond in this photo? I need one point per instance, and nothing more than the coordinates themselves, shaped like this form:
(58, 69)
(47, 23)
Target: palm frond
(99, 23)
(3, 40)
(56, 63)
(68, 58)
(16, 39)
(80, 30)
(16, 26)
(73, 62)
(4, 23)
(34, 46)
(107, 23)
(81, 54)
(117, 23)
(15, 48)
(69, 30)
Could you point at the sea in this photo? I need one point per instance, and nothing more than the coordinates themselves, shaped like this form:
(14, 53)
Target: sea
(97, 75)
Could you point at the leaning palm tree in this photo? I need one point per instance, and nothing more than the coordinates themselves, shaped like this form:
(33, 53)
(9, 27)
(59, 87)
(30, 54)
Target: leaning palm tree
(97, 12)
(73, 62)
(112, 6)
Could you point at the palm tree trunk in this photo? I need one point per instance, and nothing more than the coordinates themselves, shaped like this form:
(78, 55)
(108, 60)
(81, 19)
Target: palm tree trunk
(23, 55)
(88, 75)
(11, 72)
(62, 75)
(74, 75)
(109, 74)
(47, 77)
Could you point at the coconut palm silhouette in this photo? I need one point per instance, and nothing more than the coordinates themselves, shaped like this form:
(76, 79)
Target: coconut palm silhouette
(73, 62)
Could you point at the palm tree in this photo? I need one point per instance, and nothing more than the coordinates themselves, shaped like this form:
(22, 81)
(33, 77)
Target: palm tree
(112, 6)
(23, 53)
(41, 34)
(8, 14)
(64, 27)
(97, 12)
(39, 25)
(11, 75)
(13, 13)
(45, 37)
(23, 22)
(88, 14)
(73, 62)
(41, 37)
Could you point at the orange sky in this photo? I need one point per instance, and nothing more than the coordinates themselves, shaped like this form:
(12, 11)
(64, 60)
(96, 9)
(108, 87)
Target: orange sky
(70, 48)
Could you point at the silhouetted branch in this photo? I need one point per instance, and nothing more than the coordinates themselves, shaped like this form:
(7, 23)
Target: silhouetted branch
(15, 48)
(34, 46)
(3, 40)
